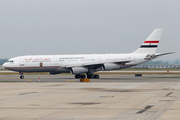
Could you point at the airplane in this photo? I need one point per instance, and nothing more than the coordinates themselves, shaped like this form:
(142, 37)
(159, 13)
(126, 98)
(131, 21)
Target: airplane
(83, 66)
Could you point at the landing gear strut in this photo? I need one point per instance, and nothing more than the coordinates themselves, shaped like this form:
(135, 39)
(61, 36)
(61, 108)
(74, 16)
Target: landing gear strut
(22, 76)
(90, 76)
(83, 76)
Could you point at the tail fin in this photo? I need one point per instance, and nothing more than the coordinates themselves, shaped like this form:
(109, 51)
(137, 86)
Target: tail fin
(151, 43)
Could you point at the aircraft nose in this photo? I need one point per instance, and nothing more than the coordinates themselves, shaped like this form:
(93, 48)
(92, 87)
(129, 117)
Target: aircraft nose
(4, 65)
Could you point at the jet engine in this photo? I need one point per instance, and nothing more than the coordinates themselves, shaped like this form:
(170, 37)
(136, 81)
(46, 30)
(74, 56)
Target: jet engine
(53, 73)
(111, 66)
(78, 70)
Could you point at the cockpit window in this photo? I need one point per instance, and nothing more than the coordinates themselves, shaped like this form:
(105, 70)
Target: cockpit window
(11, 61)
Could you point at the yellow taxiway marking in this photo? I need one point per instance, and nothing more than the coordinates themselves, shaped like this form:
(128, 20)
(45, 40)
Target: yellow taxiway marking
(14, 77)
(4, 77)
(70, 80)
(29, 80)
(8, 77)
(167, 75)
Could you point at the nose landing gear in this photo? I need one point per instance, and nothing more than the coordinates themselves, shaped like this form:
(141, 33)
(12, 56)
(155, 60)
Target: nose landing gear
(22, 76)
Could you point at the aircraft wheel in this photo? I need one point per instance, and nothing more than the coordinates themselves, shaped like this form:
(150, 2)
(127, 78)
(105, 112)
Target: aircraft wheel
(77, 76)
(96, 76)
(90, 76)
(22, 77)
(83, 76)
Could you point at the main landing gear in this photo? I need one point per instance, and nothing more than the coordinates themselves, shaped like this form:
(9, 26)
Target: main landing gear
(22, 76)
(95, 76)
(80, 76)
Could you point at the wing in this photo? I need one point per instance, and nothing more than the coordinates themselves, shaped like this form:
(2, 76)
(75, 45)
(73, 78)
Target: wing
(86, 64)
(98, 64)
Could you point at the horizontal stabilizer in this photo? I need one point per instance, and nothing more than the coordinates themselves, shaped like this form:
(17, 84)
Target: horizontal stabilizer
(161, 54)
(153, 56)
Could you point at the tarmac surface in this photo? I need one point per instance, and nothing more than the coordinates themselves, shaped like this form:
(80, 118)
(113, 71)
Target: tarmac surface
(112, 97)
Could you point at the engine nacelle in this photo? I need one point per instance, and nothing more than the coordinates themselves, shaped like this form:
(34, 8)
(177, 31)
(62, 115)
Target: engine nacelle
(78, 70)
(111, 66)
(53, 73)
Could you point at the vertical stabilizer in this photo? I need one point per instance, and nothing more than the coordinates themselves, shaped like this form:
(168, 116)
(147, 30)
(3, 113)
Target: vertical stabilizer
(151, 43)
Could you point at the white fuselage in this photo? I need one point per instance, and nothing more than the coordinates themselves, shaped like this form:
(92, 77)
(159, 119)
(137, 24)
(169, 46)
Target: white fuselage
(63, 63)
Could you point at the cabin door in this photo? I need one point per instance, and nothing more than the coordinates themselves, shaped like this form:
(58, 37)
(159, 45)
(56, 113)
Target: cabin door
(21, 62)
(55, 61)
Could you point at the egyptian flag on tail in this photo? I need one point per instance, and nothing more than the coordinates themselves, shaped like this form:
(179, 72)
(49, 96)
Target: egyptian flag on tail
(151, 43)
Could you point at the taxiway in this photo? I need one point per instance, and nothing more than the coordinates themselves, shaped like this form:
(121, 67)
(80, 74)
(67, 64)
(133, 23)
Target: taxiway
(112, 97)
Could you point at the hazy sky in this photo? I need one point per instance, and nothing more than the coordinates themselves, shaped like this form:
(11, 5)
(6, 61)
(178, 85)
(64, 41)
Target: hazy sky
(86, 26)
